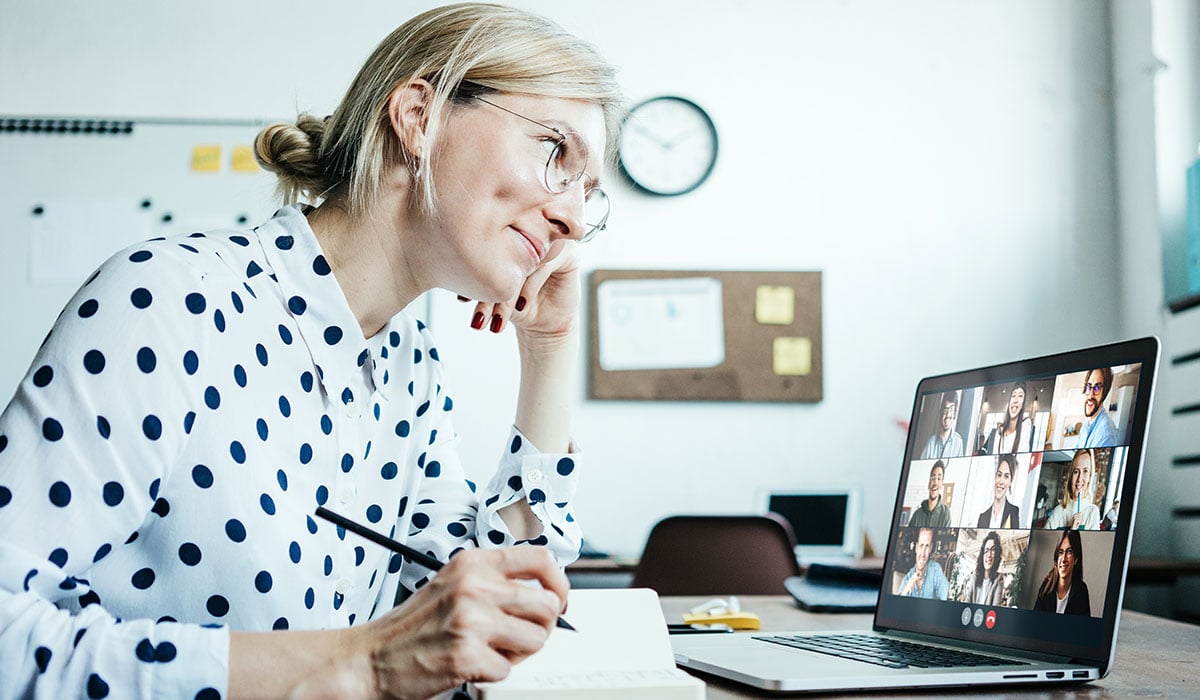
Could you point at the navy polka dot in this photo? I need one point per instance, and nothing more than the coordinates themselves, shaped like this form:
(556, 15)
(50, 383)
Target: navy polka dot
(141, 256)
(403, 428)
(281, 477)
(102, 552)
(433, 469)
(202, 475)
(333, 335)
(262, 582)
(285, 335)
(261, 353)
(420, 520)
(58, 557)
(88, 308)
(141, 298)
(326, 425)
(537, 496)
(212, 397)
(93, 361)
(219, 321)
(103, 427)
(161, 507)
(96, 687)
(280, 624)
(457, 529)
(5, 496)
(41, 656)
(238, 306)
(306, 453)
(189, 553)
(347, 463)
(285, 408)
(188, 420)
(515, 447)
(389, 471)
(43, 376)
(143, 579)
(297, 305)
(306, 382)
(328, 565)
(196, 303)
(165, 652)
(514, 483)
(267, 503)
(253, 269)
(320, 266)
(322, 495)
(261, 426)
(60, 494)
(191, 362)
(310, 598)
(374, 513)
(284, 242)
(152, 427)
(294, 552)
(217, 606)
(52, 430)
(114, 493)
(496, 537)
(146, 360)
(235, 530)
(566, 465)
(237, 452)
(239, 375)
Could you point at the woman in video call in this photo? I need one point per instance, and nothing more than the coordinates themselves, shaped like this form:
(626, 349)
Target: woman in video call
(1075, 510)
(1015, 432)
(1063, 590)
(988, 587)
(1002, 513)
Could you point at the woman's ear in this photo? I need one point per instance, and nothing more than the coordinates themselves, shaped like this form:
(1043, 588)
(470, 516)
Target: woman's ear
(408, 112)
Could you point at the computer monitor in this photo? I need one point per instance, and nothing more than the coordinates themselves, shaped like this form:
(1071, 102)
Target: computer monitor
(827, 522)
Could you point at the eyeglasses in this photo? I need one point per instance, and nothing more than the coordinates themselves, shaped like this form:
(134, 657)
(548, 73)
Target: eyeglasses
(565, 164)
(1093, 388)
(1060, 553)
(989, 550)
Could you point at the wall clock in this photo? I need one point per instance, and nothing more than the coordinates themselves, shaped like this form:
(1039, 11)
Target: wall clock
(668, 146)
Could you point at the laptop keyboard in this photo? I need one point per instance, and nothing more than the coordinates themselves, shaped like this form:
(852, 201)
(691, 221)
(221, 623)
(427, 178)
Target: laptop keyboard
(884, 651)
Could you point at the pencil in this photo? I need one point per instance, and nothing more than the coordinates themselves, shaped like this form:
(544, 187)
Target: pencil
(419, 557)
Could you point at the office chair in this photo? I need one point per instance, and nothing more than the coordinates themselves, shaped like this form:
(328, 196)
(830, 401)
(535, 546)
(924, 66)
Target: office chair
(718, 555)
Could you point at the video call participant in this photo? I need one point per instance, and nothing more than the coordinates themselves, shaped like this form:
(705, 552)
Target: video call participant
(1098, 429)
(988, 587)
(1063, 590)
(932, 512)
(945, 442)
(1110, 518)
(926, 579)
(1002, 513)
(1015, 432)
(1075, 511)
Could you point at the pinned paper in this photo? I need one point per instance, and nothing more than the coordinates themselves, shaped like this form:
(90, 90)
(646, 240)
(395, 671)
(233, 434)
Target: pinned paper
(243, 160)
(775, 305)
(672, 323)
(793, 356)
(206, 159)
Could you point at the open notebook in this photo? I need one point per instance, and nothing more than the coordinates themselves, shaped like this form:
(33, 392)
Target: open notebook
(620, 650)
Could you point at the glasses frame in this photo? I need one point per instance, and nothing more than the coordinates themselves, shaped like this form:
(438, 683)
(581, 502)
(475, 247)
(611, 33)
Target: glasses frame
(590, 189)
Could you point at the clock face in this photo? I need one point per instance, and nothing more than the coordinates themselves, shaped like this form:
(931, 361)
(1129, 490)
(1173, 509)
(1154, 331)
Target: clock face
(668, 146)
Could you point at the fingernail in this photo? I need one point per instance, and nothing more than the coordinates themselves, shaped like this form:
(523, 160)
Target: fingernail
(497, 322)
(462, 298)
(477, 320)
(520, 303)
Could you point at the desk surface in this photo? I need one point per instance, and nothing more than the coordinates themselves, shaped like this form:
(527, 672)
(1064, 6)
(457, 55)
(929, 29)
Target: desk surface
(1156, 657)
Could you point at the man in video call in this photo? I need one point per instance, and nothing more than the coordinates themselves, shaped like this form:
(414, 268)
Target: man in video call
(1098, 429)
(945, 442)
(926, 579)
(932, 512)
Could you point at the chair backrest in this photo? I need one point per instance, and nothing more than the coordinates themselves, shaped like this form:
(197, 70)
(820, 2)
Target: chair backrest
(718, 554)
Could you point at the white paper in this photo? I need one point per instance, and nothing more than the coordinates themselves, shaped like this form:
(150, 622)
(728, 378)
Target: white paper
(660, 323)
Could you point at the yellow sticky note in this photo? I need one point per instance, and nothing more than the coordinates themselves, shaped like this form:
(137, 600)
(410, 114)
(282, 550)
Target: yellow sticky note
(793, 356)
(774, 305)
(243, 160)
(206, 159)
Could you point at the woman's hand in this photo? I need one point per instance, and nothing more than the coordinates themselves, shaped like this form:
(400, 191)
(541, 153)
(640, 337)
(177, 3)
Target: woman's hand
(471, 623)
(547, 307)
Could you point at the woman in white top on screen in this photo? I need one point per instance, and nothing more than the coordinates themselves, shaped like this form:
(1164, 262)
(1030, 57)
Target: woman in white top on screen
(1015, 432)
(1075, 510)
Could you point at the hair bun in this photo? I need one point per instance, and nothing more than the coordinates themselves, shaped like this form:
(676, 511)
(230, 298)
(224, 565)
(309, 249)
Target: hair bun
(293, 153)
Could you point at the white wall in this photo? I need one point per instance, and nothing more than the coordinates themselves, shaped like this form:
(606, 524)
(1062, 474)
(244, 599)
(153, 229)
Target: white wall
(948, 166)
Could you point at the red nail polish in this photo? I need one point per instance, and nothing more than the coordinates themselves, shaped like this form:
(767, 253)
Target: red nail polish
(462, 298)
(497, 322)
(477, 320)
(520, 303)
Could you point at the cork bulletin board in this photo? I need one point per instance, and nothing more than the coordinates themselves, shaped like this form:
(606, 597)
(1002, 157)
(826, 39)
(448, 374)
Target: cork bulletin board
(682, 335)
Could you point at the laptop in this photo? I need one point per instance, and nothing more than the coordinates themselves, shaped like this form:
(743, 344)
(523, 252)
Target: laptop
(827, 522)
(1006, 562)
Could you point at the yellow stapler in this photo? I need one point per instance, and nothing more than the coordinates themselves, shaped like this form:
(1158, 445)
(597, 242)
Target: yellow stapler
(736, 620)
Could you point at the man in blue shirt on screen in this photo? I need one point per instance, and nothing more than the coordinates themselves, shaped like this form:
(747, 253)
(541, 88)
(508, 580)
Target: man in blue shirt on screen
(926, 579)
(945, 442)
(1098, 428)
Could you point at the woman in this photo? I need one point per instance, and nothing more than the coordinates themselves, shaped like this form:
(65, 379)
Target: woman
(1075, 510)
(201, 396)
(1002, 513)
(988, 587)
(1063, 590)
(1015, 432)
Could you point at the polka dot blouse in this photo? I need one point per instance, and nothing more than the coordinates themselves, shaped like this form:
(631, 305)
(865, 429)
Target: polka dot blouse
(195, 402)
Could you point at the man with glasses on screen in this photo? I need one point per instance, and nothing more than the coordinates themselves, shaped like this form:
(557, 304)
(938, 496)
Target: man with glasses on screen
(945, 442)
(1098, 429)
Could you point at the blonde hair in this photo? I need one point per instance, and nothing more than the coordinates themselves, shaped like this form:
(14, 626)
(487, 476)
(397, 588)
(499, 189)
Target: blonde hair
(1065, 497)
(491, 47)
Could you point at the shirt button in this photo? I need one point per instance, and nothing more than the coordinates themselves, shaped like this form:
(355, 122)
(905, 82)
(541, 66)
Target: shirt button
(346, 494)
(353, 410)
(534, 476)
(343, 586)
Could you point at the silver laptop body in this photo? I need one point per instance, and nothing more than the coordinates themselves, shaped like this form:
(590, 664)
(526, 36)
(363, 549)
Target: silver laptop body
(1047, 461)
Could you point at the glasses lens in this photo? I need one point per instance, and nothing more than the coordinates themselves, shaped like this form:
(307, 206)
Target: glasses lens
(595, 213)
(567, 162)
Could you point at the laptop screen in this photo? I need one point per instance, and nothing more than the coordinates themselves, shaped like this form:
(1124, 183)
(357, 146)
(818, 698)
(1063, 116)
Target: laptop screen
(1016, 501)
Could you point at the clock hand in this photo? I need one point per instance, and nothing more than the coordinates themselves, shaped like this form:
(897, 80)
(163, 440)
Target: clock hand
(649, 134)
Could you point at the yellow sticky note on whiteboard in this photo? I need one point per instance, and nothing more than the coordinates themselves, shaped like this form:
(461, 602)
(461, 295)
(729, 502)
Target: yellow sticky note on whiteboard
(793, 356)
(206, 158)
(243, 160)
(774, 305)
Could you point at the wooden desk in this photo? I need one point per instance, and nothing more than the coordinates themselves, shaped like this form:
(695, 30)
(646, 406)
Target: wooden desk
(1156, 657)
